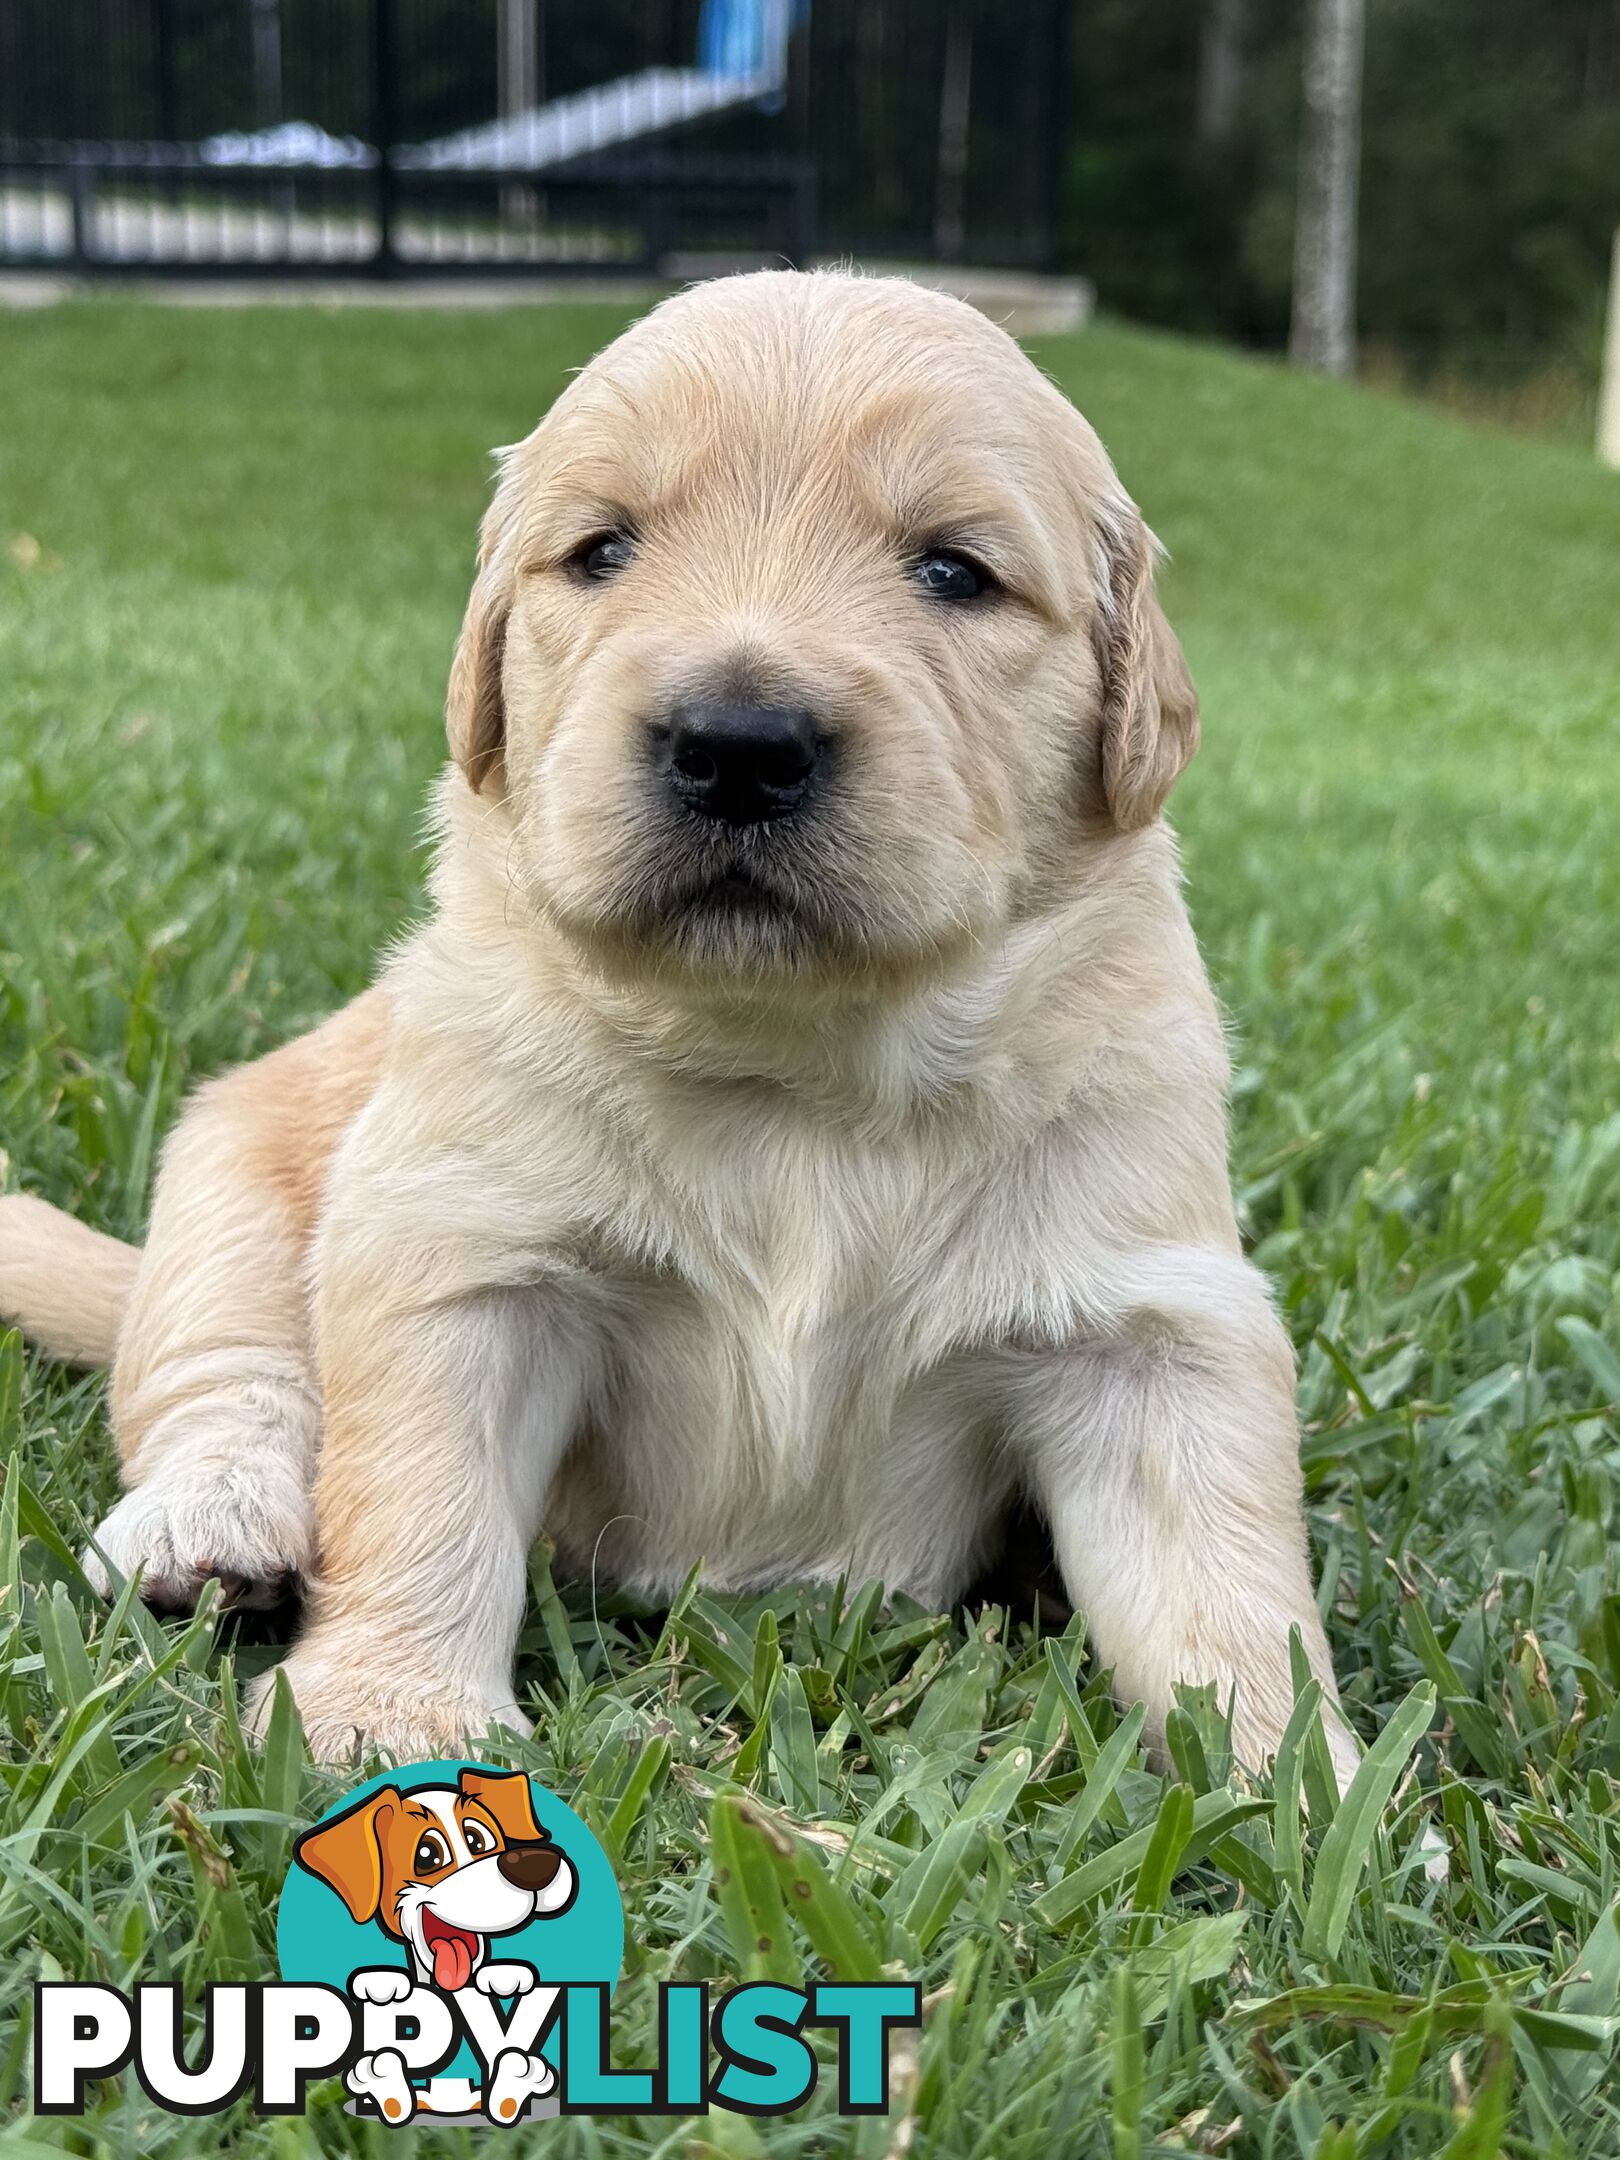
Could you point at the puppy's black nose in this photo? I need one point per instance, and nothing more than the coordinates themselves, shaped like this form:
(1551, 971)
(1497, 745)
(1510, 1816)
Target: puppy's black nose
(743, 764)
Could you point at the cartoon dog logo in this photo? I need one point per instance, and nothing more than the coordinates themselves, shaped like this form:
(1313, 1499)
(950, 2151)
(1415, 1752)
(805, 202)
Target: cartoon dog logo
(444, 1869)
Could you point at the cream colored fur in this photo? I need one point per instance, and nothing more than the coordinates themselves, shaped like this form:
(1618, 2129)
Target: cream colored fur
(62, 1283)
(801, 1242)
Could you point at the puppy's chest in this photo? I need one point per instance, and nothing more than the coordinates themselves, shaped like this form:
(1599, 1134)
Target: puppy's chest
(797, 1379)
(782, 1414)
(788, 1303)
(798, 1322)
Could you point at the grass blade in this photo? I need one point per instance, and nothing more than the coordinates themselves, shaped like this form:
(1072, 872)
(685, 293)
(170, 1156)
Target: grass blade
(1286, 1828)
(1171, 1834)
(750, 1892)
(1128, 2068)
(1091, 1803)
(1349, 1837)
(1214, 1815)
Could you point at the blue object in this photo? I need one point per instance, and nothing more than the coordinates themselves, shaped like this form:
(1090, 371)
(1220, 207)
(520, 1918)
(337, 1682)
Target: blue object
(731, 37)
(744, 38)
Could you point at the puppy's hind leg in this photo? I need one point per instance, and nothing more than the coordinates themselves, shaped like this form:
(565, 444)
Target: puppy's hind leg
(215, 1403)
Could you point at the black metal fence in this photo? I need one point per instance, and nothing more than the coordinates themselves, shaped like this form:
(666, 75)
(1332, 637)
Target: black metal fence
(486, 136)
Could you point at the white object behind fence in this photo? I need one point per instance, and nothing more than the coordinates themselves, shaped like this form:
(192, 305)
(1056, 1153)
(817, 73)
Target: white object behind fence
(743, 59)
(600, 118)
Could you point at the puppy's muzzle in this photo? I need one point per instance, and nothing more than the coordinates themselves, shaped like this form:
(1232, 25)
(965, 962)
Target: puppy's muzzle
(530, 1867)
(739, 764)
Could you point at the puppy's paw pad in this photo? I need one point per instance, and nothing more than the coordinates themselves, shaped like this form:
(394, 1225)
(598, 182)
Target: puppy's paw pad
(252, 1593)
(252, 1528)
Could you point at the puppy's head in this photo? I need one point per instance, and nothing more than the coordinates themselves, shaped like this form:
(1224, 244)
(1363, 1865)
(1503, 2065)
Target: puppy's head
(813, 634)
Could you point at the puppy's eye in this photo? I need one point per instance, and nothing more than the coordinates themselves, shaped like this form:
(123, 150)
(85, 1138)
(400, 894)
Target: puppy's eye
(431, 1854)
(478, 1838)
(944, 575)
(604, 555)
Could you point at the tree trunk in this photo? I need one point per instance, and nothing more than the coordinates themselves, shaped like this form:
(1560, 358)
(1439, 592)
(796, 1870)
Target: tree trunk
(518, 86)
(517, 73)
(265, 21)
(956, 90)
(1222, 56)
(1323, 331)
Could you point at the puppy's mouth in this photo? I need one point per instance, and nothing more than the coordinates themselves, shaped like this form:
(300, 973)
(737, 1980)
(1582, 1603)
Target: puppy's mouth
(725, 907)
(453, 1951)
(736, 891)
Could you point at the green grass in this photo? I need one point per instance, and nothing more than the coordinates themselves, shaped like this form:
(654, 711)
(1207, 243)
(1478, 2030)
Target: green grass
(222, 649)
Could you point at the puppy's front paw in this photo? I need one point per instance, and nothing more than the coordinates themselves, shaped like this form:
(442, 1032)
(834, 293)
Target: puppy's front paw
(505, 1979)
(380, 1984)
(251, 1524)
(346, 1710)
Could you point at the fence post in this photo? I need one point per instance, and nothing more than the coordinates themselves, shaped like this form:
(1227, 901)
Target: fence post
(384, 111)
(82, 202)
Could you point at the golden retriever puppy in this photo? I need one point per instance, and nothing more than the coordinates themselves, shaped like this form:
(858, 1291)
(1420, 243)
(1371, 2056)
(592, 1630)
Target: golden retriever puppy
(798, 1132)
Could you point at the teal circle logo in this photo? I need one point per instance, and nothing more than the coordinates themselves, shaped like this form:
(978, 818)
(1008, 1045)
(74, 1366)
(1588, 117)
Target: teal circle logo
(462, 1880)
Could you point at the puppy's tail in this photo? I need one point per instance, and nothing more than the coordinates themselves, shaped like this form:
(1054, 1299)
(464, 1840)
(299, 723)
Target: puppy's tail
(64, 1284)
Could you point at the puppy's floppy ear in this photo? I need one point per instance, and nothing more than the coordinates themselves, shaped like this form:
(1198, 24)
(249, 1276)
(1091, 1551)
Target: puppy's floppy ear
(1149, 705)
(475, 708)
(506, 1794)
(346, 1852)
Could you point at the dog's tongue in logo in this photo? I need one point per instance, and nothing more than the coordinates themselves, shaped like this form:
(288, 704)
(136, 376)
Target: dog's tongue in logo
(452, 1950)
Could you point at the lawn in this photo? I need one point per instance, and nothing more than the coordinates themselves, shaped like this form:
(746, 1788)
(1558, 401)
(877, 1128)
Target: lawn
(233, 552)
